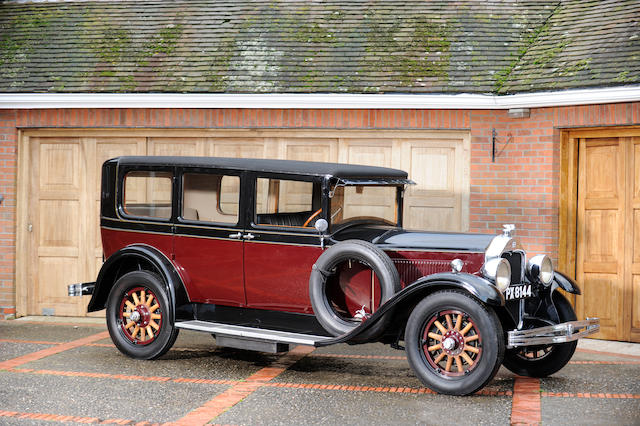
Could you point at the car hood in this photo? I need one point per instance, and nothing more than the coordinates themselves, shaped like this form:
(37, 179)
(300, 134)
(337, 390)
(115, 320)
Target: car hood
(387, 237)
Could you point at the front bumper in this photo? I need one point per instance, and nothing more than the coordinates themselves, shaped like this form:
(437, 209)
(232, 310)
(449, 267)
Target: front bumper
(82, 289)
(552, 334)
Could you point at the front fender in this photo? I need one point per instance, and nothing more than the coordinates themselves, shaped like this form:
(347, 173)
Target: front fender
(565, 283)
(137, 254)
(477, 286)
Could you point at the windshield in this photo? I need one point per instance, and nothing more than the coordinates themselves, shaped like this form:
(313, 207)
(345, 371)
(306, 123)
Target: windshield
(370, 203)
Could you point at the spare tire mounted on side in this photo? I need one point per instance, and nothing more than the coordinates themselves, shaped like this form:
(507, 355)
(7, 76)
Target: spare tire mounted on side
(326, 269)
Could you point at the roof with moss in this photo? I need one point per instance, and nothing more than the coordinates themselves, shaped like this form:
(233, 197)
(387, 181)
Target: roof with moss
(349, 46)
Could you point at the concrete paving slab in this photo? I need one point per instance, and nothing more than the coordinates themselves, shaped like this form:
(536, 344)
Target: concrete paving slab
(14, 350)
(217, 364)
(582, 411)
(594, 378)
(355, 372)
(610, 346)
(62, 320)
(377, 349)
(366, 372)
(102, 398)
(276, 406)
(45, 331)
(601, 356)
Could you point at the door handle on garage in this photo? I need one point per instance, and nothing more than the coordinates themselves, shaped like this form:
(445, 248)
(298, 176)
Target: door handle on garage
(248, 236)
(235, 236)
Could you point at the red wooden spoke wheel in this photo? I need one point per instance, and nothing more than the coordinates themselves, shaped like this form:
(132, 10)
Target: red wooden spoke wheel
(454, 342)
(140, 315)
(451, 343)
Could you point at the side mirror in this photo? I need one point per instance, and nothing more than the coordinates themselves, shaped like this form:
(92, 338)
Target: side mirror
(321, 225)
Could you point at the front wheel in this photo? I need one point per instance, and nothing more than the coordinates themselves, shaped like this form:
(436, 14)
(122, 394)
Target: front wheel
(454, 343)
(543, 361)
(137, 316)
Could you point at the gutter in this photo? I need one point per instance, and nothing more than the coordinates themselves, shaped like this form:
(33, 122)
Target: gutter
(319, 101)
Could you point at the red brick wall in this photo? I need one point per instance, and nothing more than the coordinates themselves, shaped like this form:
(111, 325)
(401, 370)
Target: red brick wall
(521, 186)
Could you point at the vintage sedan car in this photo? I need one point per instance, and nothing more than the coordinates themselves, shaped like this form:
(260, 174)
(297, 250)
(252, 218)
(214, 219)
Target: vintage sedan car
(265, 254)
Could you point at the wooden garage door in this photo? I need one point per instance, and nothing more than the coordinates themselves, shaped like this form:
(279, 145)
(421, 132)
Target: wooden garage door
(62, 225)
(608, 234)
(58, 224)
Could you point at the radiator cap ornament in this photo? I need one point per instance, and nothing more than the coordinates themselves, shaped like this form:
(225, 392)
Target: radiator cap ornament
(507, 229)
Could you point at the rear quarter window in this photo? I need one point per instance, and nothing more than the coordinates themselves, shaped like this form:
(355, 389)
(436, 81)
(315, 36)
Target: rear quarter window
(148, 194)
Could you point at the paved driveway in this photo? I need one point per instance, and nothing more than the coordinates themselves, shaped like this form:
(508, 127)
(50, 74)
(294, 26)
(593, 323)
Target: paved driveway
(65, 372)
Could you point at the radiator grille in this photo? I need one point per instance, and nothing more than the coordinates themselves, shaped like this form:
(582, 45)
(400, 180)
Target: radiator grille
(516, 260)
(411, 270)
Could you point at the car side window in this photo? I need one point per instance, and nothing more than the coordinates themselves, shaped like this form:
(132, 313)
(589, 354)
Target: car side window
(147, 194)
(210, 198)
(281, 202)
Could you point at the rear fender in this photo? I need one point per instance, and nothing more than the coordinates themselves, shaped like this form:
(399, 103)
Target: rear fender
(479, 287)
(137, 257)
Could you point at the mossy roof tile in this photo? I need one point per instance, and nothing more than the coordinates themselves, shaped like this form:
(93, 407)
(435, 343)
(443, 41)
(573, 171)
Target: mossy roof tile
(357, 46)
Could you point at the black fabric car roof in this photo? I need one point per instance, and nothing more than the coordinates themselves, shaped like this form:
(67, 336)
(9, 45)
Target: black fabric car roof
(309, 168)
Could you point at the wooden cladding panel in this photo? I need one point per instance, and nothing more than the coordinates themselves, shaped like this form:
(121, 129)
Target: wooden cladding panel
(635, 309)
(608, 234)
(632, 250)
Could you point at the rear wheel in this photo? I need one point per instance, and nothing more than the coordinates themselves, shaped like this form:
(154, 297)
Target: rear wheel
(137, 316)
(454, 343)
(542, 361)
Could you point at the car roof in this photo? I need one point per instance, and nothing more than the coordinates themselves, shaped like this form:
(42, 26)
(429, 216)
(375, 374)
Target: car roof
(309, 168)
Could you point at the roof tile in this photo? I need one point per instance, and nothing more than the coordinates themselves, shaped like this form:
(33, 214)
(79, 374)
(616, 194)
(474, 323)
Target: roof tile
(499, 46)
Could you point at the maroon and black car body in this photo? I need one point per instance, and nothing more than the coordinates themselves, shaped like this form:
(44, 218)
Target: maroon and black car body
(265, 254)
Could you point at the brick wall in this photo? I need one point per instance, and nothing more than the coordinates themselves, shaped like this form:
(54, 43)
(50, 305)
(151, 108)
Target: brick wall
(8, 163)
(521, 186)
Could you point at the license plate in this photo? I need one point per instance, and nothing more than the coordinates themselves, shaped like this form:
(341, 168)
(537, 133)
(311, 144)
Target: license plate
(518, 292)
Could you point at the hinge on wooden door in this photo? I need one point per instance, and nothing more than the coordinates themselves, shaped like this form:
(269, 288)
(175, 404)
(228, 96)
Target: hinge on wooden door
(30, 227)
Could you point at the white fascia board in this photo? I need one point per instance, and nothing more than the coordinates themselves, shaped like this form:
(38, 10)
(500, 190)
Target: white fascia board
(319, 101)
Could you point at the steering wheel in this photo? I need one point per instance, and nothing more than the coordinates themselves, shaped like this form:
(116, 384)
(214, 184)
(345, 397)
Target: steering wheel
(316, 213)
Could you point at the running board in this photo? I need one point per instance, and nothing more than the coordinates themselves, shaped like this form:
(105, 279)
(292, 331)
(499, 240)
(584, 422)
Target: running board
(255, 339)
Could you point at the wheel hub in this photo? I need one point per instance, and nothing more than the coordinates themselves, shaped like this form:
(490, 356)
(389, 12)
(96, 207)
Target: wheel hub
(143, 315)
(135, 316)
(452, 342)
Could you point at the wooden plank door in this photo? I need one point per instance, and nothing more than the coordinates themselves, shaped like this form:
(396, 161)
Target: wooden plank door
(632, 243)
(57, 243)
(608, 228)
(64, 243)
(439, 200)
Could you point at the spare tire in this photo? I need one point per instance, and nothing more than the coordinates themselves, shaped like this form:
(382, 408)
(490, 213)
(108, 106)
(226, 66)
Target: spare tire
(326, 271)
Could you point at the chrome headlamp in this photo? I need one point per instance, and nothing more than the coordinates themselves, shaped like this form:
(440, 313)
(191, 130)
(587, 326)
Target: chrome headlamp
(499, 271)
(540, 268)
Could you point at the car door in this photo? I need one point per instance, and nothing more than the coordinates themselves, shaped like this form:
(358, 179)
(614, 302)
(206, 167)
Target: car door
(208, 242)
(279, 249)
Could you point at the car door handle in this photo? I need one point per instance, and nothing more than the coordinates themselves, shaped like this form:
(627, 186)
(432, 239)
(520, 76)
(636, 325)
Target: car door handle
(248, 236)
(235, 236)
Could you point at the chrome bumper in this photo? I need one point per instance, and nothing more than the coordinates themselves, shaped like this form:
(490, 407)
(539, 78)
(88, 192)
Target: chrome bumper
(552, 334)
(82, 289)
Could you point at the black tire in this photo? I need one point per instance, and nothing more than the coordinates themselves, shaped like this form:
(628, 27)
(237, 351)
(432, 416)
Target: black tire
(473, 336)
(130, 331)
(350, 250)
(543, 361)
